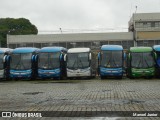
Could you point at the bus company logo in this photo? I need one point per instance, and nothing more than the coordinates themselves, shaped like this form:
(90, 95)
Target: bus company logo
(6, 114)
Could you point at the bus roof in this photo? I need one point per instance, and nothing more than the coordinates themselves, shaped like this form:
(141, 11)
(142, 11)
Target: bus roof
(156, 47)
(78, 50)
(5, 50)
(111, 47)
(141, 49)
(52, 49)
(25, 50)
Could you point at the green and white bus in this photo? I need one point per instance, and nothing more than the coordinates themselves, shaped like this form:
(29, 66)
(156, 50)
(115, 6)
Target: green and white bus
(140, 62)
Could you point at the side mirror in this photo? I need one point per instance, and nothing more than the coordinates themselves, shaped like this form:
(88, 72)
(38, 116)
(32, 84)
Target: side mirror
(155, 55)
(90, 56)
(129, 55)
(35, 57)
(4, 58)
(99, 56)
(65, 57)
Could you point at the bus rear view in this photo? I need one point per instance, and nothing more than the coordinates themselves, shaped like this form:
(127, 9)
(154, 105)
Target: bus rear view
(110, 61)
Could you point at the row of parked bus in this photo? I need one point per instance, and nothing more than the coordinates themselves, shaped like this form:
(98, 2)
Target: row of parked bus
(60, 63)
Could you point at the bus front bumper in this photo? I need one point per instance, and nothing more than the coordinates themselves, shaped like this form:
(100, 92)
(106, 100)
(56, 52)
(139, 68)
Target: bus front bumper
(20, 73)
(143, 72)
(79, 72)
(49, 73)
(111, 71)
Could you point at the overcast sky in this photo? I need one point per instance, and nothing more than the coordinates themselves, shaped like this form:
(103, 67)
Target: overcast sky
(50, 15)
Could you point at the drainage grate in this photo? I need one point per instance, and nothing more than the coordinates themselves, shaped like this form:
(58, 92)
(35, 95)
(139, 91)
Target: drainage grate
(32, 93)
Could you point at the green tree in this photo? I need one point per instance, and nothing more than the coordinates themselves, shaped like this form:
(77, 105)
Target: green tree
(11, 26)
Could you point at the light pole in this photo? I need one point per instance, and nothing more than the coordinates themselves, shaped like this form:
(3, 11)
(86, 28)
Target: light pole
(134, 29)
(60, 30)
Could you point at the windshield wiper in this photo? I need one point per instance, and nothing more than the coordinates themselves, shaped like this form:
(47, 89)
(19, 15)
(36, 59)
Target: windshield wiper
(81, 63)
(146, 62)
(74, 64)
(139, 63)
(23, 65)
(108, 62)
(17, 64)
(114, 63)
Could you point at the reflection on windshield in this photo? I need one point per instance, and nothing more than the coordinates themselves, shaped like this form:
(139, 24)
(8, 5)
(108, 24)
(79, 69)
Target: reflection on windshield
(1, 61)
(49, 60)
(111, 59)
(142, 60)
(78, 60)
(21, 61)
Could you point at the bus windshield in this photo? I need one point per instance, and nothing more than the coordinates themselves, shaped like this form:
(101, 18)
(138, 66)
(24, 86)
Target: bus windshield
(21, 61)
(1, 61)
(142, 60)
(111, 59)
(49, 60)
(78, 60)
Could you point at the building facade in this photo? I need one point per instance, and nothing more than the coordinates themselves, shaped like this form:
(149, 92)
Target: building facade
(144, 30)
(92, 40)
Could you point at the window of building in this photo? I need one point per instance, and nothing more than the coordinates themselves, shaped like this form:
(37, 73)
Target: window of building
(87, 44)
(12, 46)
(62, 44)
(157, 24)
(104, 43)
(150, 43)
(37, 45)
(157, 42)
(28, 45)
(125, 44)
(55, 44)
(130, 44)
(140, 43)
(145, 43)
(45, 44)
(114, 42)
(71, 45)
(24, 44)
(80, 44)
(95, 45)
(152, 24)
